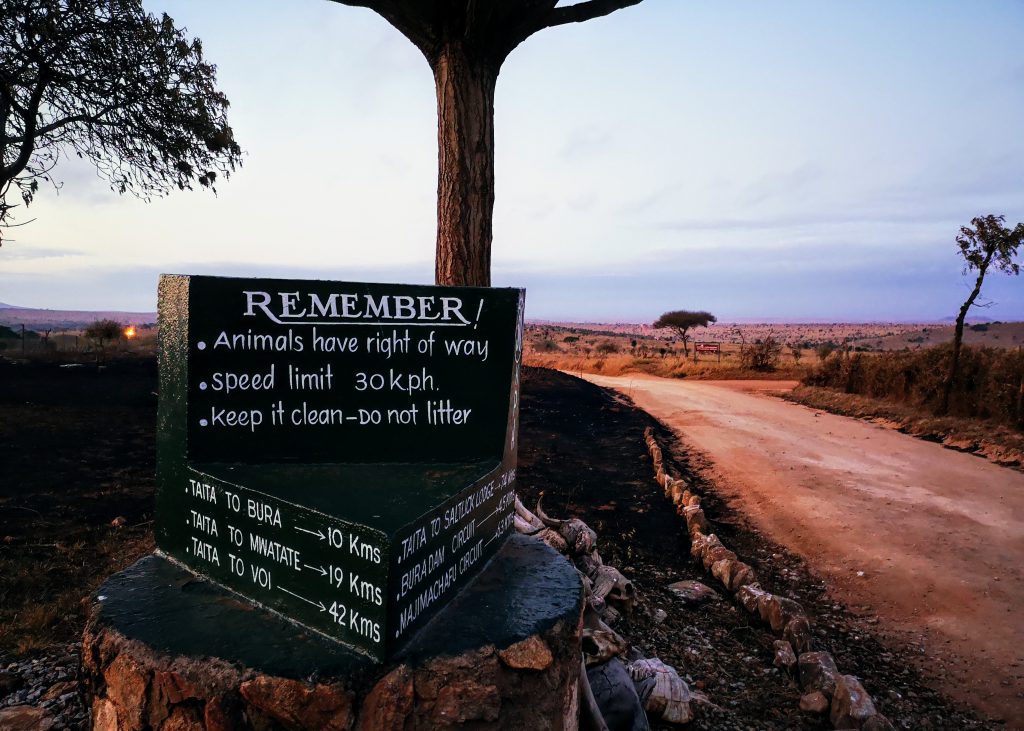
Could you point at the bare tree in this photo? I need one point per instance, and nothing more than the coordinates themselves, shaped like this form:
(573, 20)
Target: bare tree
(988, 243)
(465, 42)
(682, 321)
(110, 83)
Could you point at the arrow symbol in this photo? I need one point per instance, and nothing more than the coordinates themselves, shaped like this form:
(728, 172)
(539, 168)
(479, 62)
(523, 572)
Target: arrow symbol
(321, 569)
(315, 604)
(317, 533)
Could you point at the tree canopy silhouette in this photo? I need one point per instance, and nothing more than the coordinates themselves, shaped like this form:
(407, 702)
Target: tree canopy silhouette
(682, 321)
(465, 42)
(110, 83)
(989, 243)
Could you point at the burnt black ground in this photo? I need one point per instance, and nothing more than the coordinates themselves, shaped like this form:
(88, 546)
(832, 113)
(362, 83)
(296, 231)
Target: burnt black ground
(76, 450)
(583, 447)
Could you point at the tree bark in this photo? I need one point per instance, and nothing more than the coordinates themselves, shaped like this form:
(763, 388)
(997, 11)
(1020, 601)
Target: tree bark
(465, 181)
(958, 337)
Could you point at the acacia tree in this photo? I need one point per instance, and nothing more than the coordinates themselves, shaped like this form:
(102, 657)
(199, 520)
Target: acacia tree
(682, 321)
(110, 83)
(988, 244)
(465, 42)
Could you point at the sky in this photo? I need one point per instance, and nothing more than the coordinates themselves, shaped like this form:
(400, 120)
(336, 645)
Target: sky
(769, 161)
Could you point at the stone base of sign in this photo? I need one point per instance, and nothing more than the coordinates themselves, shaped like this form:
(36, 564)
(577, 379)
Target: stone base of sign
(164, 650)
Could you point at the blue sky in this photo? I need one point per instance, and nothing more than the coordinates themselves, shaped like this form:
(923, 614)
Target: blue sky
(798, 160)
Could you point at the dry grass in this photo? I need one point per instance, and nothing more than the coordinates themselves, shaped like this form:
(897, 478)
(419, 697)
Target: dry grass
(668, 367)
(44, 584)
(990, 384)
(611, 353)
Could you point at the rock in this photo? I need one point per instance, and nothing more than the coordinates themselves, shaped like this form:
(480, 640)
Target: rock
(851, 704)
(779, 611)
(721, 570)
(814, 702)
(878, 722)
(692, 592)
(9, 682)
(818, 671)
(733, 574)
(298, 705)
(714, 554)
(694, 516)
(58, 689)
(104, 715)
(698, 544)
(119, 522)
(798, 633)
(389, 703)
(749, 597)
(742, 574)
(784, 656)
(528, 654)
(659, 616)
(28, 718)
(222, 714)
(126, 685)
(467, 700)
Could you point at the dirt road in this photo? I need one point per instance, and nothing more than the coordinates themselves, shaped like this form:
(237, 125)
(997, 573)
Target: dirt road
(938, 534)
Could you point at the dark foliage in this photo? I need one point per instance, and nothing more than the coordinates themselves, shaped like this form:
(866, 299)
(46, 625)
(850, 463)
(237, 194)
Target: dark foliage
(112, 84)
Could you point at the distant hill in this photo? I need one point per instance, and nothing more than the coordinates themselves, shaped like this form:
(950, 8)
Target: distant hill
(41, 320)
(970, 318)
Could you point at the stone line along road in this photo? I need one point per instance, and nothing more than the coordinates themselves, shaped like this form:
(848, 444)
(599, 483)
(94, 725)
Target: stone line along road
(939, 534)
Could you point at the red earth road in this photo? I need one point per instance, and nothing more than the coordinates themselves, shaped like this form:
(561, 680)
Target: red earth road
(938, 534)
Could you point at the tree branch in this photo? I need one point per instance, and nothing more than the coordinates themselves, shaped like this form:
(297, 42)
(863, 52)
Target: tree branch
(581, 12)
(28, 143)
(96, 118)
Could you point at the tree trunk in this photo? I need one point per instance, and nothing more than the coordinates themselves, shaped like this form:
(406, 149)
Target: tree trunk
(958, 337)
(465, 179)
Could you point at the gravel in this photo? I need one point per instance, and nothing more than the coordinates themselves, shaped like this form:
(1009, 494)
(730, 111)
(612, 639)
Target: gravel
(47, 680)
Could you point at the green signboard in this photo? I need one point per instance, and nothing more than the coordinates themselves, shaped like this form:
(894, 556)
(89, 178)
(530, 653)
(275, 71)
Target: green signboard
(343, 453)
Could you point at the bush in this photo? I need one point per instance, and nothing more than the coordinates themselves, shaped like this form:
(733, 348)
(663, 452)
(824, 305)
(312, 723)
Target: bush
(607, 347)
(763, 355)
(989, 385)
(547, 345)
(103, 330)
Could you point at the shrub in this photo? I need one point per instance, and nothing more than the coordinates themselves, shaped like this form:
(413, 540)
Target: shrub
(762, 355)
(607, 347)
(989, 385)
(103, 330)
